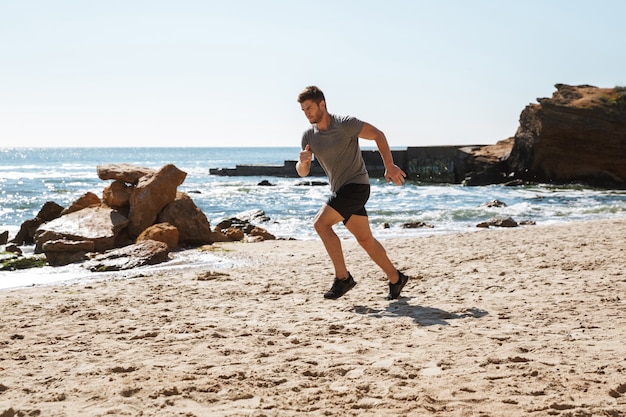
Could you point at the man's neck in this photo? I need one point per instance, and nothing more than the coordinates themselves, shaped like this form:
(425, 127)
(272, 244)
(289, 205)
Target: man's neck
(324, 124)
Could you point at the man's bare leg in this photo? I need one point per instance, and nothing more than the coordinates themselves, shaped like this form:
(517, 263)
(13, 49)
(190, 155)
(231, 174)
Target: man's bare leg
(323, 223)
(359, 226)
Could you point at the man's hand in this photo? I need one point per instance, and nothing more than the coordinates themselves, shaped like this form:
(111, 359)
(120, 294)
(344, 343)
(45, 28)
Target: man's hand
(306, 156)
(395, 174)
(392, 171)
(303, 167)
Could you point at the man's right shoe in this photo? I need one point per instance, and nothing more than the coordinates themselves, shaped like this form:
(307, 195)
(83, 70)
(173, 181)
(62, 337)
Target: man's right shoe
(340, 287)
(395, 289)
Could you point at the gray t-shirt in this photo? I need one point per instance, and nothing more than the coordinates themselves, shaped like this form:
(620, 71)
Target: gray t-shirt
(338, 152)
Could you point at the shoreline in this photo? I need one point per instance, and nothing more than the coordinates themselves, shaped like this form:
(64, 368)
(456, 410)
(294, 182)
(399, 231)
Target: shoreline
(72, 274)
(502, 322)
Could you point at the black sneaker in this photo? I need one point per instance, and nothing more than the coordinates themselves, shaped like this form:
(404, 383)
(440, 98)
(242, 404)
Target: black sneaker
(394, 289)
(340, 287)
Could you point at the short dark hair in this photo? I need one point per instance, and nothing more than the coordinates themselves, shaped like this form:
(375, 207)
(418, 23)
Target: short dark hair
(311, 93)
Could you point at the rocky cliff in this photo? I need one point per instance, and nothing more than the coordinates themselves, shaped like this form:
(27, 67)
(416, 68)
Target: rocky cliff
(578, 135)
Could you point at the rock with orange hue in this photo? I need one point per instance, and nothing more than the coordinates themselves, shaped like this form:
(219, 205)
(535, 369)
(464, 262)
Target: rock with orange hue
(234, 234)
(161, 232)
(152, 193)
(100, 225)
(192, 224)
(262, 233)
(88, 199)
(117, 194)
(123, 172)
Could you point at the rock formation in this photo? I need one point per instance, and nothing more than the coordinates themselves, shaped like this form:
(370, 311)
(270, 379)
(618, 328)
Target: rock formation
(26, 234)
(161, 232)
(126, 173)
(484, 165)
(117, 195)
(192, 224)
(84, 201)
(151, 194)
(578, 135)
(101, 225)
(64, 251)
(139, 202)
(145, 252)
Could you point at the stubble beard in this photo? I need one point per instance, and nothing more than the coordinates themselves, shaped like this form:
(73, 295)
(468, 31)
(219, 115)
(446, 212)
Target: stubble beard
(317, 117)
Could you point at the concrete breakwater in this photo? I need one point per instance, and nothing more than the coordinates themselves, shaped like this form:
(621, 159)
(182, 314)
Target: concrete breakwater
(434, 164)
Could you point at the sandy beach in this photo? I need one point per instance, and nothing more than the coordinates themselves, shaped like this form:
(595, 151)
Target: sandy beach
(529, 321)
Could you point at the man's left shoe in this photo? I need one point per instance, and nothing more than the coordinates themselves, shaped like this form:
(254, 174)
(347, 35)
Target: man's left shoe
(395, 289)
(340, 287)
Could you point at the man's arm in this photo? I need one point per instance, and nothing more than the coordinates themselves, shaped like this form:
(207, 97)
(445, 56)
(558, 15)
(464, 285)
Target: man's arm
(392, 171)
(303, 166)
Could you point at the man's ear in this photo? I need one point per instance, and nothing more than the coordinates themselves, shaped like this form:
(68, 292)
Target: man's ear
(323, 105)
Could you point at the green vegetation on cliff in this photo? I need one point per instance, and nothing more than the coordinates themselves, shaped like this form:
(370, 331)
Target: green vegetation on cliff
(620, 100)
(615, 97)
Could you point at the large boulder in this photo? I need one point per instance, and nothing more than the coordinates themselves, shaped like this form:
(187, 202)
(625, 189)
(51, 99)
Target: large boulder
(123, 172)
(152, 193)
(192, 224)
(145, 252)
(86, 200)
(578, 135)
(117, 194)
(161, 232)
(100, 225)
(64, 252)
(26, 234)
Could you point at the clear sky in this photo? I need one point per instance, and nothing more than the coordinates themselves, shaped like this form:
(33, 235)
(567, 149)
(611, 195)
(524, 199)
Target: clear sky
(227, 73)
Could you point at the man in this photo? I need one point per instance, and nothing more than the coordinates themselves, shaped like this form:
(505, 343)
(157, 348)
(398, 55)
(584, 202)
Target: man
(335, 142)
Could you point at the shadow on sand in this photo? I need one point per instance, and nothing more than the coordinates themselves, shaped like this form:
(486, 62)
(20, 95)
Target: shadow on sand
(424, 316)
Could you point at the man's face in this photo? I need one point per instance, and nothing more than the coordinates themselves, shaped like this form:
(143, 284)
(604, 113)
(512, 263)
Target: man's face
(312, 111)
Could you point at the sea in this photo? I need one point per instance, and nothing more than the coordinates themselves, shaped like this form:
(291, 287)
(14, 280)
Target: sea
(29, 177)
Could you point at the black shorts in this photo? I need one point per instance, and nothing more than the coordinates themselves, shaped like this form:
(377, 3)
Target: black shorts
(350, 199)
